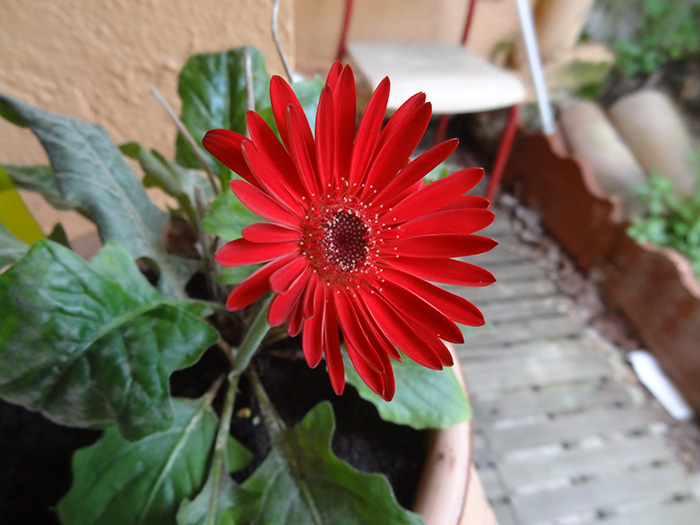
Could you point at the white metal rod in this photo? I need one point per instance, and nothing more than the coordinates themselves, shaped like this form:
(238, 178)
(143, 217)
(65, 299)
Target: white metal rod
(533, 58)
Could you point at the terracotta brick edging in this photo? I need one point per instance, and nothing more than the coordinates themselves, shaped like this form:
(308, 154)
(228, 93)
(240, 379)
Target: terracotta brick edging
(654, 287)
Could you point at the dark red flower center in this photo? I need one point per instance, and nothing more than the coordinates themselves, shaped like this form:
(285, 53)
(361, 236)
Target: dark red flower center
(339, 241)
(346, 238)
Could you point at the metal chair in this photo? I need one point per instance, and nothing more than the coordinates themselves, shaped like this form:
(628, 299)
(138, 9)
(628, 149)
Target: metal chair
(454, 80)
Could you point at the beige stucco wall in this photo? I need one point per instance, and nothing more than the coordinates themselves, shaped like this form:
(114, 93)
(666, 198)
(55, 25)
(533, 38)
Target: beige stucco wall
(96, 59)
(318, 25)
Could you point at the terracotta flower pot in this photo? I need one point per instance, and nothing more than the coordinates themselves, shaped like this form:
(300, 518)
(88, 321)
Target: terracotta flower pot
(450, 492)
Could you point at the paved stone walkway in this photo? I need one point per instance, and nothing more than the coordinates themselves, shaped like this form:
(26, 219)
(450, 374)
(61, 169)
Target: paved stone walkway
(563, 432)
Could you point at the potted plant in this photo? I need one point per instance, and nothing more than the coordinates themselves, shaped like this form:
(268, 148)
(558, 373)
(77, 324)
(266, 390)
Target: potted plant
(329, 237)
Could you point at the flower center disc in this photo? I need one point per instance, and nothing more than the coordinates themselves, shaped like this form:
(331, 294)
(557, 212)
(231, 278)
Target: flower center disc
(339, 242)
(346, 235)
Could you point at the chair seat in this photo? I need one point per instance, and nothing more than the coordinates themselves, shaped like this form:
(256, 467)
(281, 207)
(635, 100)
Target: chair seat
(453, 79)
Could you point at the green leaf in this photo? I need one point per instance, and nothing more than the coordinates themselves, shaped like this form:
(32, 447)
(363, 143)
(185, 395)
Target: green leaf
(91, 172)
(439, 172)
(228, 216)
(89, 344)
(226, 219)
(11, 248)
(235, 275)
(212, 88)
(424, 398)
(39, 179)
(118, 481)
(301, 481)
(176, 181)
(195, 512)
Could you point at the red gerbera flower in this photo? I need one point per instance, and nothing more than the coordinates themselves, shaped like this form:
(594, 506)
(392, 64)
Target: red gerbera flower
(354, 235)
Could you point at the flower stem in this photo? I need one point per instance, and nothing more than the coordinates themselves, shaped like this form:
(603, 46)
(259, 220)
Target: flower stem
(218, 462)
(272, 419)
(251, 342)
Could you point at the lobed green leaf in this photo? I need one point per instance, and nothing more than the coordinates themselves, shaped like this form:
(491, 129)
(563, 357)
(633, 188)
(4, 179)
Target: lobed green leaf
(301, 481)
(424, 398)
(90, 344)
(144, 482)
(91, 172)
(212, 88)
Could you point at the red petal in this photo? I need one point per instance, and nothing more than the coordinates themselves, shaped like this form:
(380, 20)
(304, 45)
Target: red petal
(325, 136)
(282, 96)
(400, 332)
(344, 102)
(435, 195)
(254, 286)
(415, 309)
(403, 195)
(282, 305)
(371, 377)
(295, 320)
(447, 271)
(334, 73)
(416, 170)
(269, 232)
(334, 359)
(353, 333)
(241, 252)
(453, 306)
(309, 298)
(301, 153)
(389, 382)
(367, 133)
(312, 336)
(401, 117)
(440, 246)
(465, 202)
(369, 327)
(261, 204)
(225, 145)
(271, 163)
(449, 221)
(396, 150)
(283, 279)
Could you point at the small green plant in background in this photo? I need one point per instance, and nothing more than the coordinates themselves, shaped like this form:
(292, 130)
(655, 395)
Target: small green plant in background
(671, 222)
(666, 31)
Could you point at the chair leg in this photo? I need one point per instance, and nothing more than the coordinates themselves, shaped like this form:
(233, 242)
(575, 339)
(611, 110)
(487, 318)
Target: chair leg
(503, 152)
(441, 130)
(347, 20)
